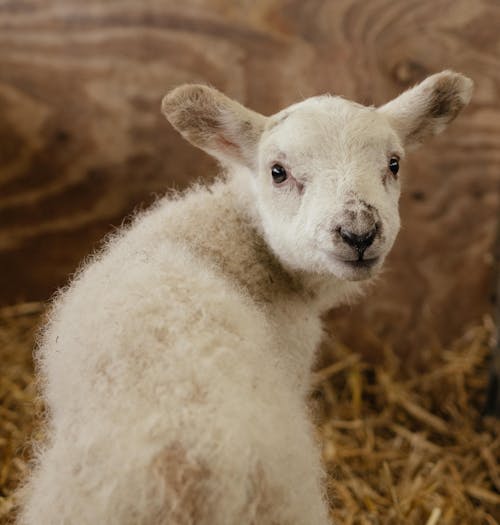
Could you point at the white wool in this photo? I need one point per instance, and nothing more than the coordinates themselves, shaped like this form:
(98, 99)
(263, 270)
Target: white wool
(175, 367)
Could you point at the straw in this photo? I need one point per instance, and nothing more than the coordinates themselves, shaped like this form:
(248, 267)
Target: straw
(399, 447)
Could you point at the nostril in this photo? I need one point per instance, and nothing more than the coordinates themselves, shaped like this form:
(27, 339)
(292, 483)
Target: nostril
(360, 242)
(370, 236)
(349, 237)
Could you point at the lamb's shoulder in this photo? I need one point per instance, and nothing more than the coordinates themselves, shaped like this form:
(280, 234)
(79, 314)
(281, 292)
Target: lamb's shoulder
(169, 320)
(148, 296)
(164, 248)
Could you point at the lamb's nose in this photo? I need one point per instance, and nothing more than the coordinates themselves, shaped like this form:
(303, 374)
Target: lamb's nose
(359, 242)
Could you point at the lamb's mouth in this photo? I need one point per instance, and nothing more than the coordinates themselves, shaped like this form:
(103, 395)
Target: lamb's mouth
(354, 269)
(358, 263)
(361, 263)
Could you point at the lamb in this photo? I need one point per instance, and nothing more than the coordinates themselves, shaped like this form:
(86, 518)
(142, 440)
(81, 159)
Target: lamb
(175, 367)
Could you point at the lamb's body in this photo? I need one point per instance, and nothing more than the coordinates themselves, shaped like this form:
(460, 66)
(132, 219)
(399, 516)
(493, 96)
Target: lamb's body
(197, 382)
(175, 367)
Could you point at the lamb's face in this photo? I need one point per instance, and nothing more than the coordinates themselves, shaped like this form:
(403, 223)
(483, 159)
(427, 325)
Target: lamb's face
(324, 171)
(327, 187)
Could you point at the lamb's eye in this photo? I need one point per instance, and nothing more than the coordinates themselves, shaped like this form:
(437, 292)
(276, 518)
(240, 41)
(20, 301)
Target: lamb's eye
(394, 165)
(279, 173)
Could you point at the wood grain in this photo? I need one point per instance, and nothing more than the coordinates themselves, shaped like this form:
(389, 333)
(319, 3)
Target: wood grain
(82, 141)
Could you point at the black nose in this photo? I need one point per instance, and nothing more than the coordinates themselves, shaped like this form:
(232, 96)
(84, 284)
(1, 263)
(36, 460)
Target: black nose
(359, 242)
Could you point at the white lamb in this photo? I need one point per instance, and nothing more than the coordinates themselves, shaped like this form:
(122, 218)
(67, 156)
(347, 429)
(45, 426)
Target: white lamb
(175, 367)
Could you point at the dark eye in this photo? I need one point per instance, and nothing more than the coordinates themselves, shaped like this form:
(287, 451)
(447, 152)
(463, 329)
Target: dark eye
(394, 165)
(279, 173)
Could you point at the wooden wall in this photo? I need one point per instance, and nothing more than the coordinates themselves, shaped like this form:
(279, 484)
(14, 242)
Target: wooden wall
(82, 141)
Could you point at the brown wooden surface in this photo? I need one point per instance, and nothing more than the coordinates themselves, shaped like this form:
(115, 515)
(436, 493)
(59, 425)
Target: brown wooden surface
(82, 141)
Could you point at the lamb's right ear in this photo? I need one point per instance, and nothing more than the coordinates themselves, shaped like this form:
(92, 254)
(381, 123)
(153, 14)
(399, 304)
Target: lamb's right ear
(215, 123)
(427, 108)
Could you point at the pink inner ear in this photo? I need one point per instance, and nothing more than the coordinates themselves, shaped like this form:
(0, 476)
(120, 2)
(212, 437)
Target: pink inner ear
(227, 146)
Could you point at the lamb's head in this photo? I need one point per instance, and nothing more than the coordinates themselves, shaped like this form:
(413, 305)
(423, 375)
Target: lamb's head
(325, 171)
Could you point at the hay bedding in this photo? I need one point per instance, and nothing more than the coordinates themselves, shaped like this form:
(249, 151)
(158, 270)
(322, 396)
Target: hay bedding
(18, 404)
(399, 448)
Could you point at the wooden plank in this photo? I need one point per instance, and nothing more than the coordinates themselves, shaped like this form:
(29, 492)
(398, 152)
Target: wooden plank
(82, 141)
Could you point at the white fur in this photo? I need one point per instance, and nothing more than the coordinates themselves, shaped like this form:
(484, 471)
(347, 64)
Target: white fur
(175, 366)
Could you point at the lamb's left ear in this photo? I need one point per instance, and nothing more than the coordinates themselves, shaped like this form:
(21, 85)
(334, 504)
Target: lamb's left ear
(215, 123)
(429, 107)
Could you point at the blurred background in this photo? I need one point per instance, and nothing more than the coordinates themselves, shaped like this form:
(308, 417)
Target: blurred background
(83, 143)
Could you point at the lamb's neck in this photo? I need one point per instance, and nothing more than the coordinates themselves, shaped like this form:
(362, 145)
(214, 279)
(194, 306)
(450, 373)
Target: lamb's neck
(222, 226)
